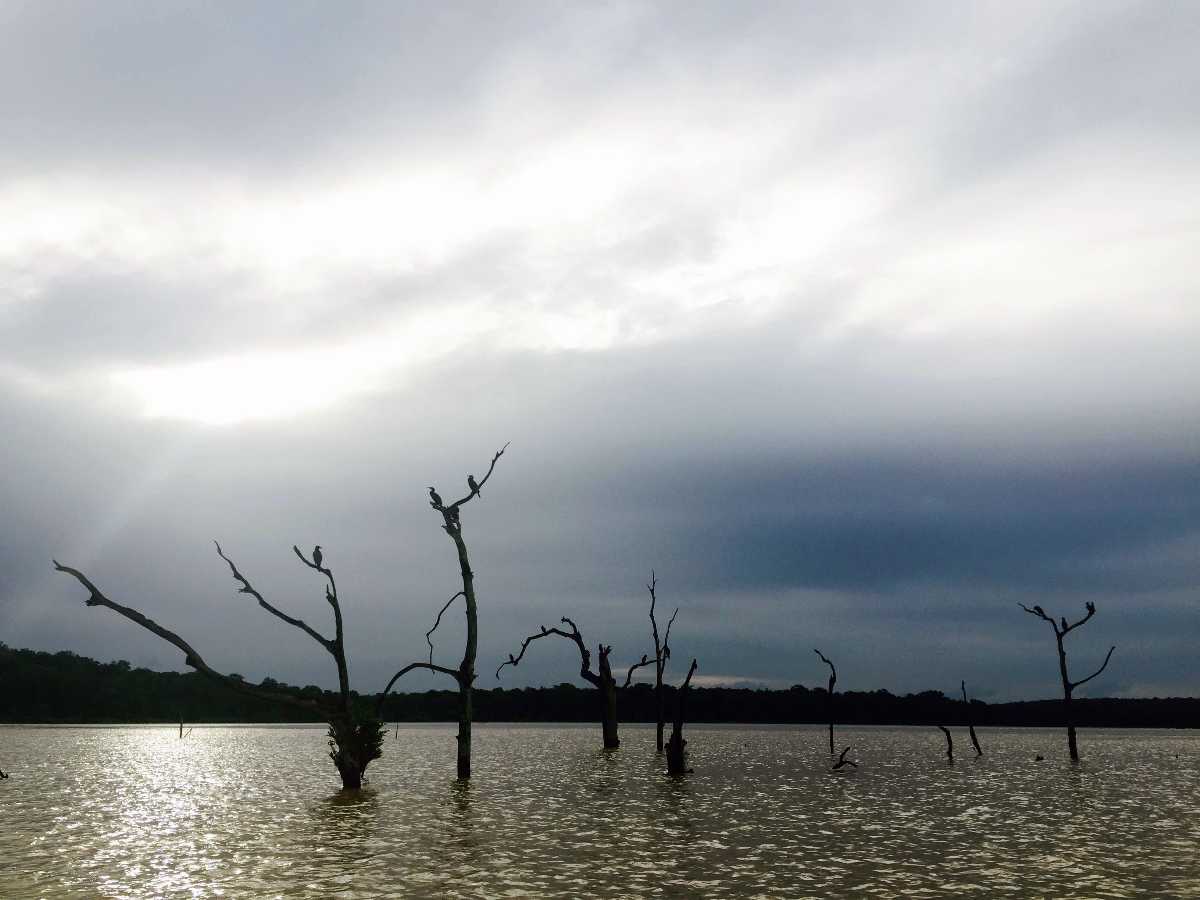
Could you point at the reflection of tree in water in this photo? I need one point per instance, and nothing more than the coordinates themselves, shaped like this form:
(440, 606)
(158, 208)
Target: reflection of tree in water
(346, 816)
(607, 776)
(460, 819)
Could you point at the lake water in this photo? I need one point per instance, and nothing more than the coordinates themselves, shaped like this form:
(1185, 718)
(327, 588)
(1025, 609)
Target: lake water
(254, 812)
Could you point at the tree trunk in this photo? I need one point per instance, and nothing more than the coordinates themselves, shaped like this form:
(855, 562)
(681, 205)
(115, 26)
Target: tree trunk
(661, 726)
(466, 678)
(608, 694)
(1072, 745)
(677, 746)
(465, 718)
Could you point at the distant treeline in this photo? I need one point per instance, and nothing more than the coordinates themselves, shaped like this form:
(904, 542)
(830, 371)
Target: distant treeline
(66, 688)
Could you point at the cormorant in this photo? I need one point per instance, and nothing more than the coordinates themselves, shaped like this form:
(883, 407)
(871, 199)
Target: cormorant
(472, 485)
(435, 499)
(1091, 607)
(317, 557)
(1039, 611)
(1065, 626)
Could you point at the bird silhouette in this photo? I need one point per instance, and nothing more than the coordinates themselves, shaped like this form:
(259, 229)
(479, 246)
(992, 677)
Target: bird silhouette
(317, 556)
(543, 629)
(3, 774)
(511, 660)
(1091, 607)
(472, 484)
(1065, 626)
(435, 499)
(1039, 611)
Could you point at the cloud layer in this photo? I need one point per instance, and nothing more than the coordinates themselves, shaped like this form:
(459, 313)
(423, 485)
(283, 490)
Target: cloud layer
(857, 326)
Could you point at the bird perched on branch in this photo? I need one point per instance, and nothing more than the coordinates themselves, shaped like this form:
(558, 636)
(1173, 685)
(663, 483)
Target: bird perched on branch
(1091, 607)
(317, 555)
(1065, 626)
(435, 499)
(1039, 611)
(471, 483)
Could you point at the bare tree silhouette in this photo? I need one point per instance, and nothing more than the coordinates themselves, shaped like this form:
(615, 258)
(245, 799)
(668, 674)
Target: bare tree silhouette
(1061, 629)
(662, 655)
(970, 723)
(842, 761)
(353, 744)
(602, 679)
(677, 746)
(464, 675)
(829, 697)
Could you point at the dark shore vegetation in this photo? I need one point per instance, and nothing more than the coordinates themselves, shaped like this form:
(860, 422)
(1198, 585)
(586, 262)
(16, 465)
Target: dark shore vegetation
(65, 688)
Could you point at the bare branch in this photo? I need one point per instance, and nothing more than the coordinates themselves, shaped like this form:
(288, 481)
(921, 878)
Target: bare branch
(1091, 611)
(832, 670)
(457, 676)
(191, 657)
(1041, 614)
(1075, 684)
(585, 655)
(687, 682)
(645, 661)
(842, 761)
(949, 742)
(451, 511)
(248, 588)
(429, 633)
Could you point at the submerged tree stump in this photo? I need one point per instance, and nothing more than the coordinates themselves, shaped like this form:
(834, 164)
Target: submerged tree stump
(677, 746)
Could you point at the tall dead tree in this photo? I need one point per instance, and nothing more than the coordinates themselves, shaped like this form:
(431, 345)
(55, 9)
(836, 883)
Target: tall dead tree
(970, 722)
(464, 675)
(602, 679)
(353, 743)
(677, 746)
(662, 654)
(829, 696)
(1061, 629)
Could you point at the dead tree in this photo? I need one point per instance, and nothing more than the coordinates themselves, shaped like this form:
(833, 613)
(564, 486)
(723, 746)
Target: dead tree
(464, 675)
(602, 679)
(949, 743)
(829, 697)
(677, 746)
(970, 724)
(353, 744)
(662, 654)
(1061, 629)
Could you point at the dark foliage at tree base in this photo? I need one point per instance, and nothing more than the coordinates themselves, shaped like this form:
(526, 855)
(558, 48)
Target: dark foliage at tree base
(66, 688)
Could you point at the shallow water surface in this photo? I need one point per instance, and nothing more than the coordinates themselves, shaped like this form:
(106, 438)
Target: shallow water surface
(254, 812)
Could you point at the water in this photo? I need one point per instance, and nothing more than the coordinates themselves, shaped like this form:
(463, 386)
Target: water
(253, 812)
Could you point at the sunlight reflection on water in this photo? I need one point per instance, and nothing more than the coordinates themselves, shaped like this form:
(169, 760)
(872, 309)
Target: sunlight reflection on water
(249, 812)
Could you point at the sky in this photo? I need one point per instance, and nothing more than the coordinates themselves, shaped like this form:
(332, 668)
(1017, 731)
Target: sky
(859, 324)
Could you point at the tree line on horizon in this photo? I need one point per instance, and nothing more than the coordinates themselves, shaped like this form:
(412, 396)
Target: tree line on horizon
(356, 729)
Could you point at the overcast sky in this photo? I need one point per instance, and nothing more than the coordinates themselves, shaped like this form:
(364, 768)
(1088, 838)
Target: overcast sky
(859, 323)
